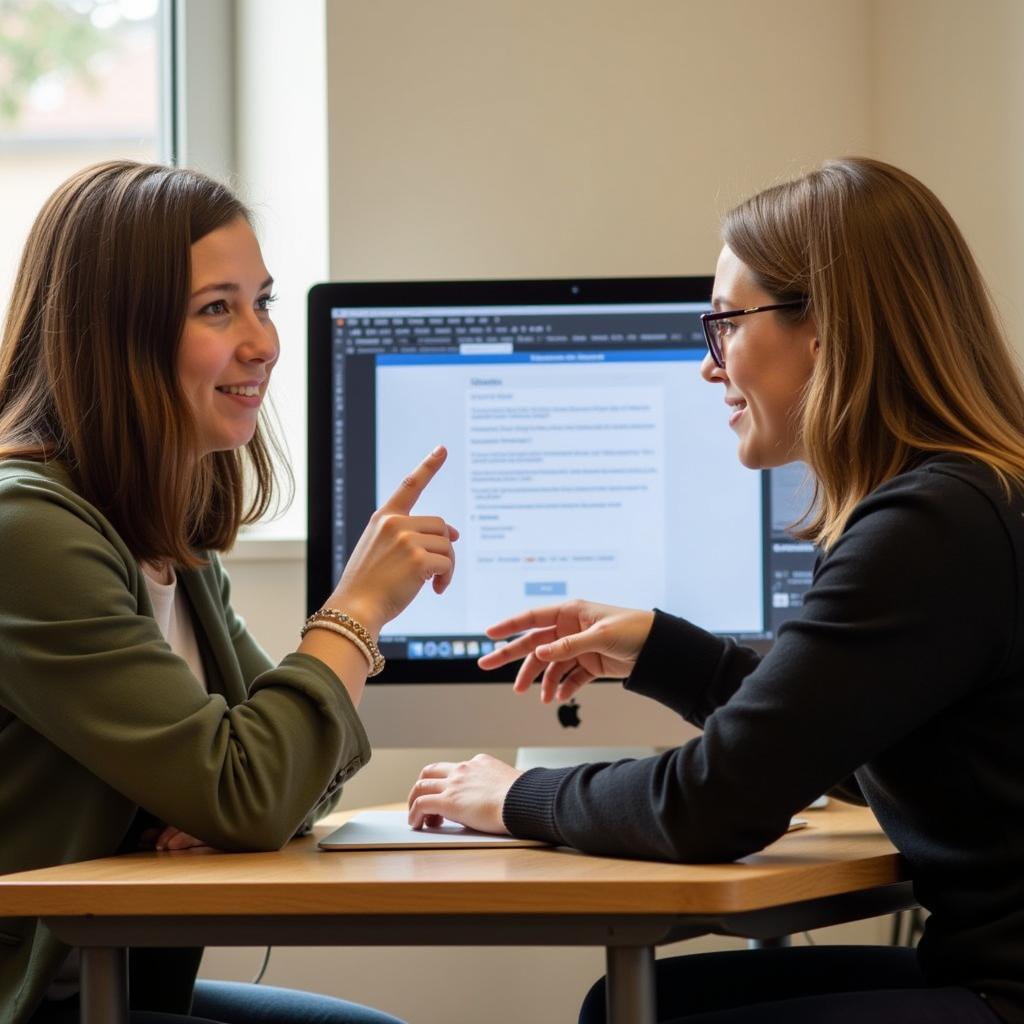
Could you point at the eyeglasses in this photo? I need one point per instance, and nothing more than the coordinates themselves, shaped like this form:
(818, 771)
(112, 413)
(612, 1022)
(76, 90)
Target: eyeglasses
(717, 326)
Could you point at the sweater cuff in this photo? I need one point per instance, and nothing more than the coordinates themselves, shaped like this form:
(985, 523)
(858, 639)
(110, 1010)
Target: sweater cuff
(675, 642)
(529, 808)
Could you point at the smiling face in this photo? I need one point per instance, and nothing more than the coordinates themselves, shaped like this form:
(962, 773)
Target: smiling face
(768, 361)
(229, 344)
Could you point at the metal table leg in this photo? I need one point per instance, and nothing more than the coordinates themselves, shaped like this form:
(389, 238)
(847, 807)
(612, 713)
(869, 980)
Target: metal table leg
(630, 984)
(104, 997)
(776, 943)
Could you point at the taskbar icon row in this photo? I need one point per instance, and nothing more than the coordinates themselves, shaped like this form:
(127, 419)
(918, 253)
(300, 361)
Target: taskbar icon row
(461, 648)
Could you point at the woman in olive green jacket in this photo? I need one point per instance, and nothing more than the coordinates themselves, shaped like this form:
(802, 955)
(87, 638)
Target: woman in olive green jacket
(135, 709)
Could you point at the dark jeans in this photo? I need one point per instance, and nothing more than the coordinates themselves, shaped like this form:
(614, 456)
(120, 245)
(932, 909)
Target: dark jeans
(801, 985)
(230, 1002)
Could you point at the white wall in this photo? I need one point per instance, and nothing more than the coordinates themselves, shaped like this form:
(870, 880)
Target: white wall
(281, 145)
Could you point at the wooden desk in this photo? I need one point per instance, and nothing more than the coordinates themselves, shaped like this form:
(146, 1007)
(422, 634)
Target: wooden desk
(841, 868)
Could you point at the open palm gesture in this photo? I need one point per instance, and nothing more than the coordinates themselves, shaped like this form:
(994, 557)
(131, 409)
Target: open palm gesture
(571, 644)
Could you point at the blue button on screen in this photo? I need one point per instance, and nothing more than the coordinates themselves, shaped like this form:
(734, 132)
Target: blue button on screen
(546, 588)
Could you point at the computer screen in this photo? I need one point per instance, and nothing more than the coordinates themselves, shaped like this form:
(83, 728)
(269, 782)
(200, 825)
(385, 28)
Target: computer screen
(587, 458)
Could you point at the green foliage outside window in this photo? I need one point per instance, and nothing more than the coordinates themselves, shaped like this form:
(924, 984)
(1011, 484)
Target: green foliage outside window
(45, 37)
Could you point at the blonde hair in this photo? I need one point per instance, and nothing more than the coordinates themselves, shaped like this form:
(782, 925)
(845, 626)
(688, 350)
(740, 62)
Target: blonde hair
(88, 359)
(912, 356)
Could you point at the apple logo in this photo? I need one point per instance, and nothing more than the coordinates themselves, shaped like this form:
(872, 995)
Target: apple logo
(569, 715)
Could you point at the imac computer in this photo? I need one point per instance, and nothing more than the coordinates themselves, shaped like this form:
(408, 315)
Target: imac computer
(587, 458)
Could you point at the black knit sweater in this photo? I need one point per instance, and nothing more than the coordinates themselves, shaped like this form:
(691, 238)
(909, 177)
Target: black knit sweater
(905, 668)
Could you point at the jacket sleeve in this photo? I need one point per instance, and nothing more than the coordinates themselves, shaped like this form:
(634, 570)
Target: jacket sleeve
(82, 667)
(885, 643)
(713, 669)
(253, 661)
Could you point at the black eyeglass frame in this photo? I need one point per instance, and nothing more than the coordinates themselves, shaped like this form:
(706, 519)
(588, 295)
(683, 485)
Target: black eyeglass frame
(706, 319)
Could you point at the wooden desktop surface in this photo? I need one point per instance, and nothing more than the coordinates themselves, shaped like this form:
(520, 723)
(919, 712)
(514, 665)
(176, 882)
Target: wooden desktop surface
(841, 851)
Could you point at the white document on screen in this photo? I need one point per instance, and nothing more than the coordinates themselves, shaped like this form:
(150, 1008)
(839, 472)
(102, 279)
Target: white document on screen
(615, 481)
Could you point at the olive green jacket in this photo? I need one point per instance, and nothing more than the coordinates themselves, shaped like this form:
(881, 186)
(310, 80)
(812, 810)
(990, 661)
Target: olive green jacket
(99, 719)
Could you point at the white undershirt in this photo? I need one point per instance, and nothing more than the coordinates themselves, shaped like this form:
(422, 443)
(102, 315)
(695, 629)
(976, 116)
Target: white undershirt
(170, 610)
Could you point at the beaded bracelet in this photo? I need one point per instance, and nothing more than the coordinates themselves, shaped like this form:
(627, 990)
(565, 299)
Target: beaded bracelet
(337, 621)
(348, 635)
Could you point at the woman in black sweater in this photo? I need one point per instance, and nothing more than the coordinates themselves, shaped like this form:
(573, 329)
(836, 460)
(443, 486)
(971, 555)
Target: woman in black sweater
(851, 330)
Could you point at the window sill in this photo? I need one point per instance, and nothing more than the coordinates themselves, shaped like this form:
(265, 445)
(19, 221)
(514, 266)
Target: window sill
(263, 549)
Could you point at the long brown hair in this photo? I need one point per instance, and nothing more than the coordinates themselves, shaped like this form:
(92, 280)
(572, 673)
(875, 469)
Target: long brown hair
(912, 359)
(88, 359)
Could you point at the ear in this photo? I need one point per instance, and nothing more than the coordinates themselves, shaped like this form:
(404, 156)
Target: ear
(808, 332)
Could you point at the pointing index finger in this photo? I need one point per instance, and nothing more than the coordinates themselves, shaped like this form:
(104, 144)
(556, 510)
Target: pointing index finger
(413, 485)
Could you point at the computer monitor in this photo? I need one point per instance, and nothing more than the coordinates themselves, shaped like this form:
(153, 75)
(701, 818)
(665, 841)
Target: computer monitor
(587, 458)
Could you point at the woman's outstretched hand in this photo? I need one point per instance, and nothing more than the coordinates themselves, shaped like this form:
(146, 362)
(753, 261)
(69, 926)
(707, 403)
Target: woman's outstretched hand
(571, 644)
(397, 553)
(471, 793)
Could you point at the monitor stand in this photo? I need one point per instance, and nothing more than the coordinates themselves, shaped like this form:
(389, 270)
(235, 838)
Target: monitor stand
(556, 756)
(566, 757)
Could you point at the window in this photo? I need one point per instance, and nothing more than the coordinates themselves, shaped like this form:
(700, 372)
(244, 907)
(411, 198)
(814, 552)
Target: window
(79, 83)
(89, 80)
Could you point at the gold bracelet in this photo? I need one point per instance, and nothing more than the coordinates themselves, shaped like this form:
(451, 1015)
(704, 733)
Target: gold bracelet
(336, 617)
(348, 635)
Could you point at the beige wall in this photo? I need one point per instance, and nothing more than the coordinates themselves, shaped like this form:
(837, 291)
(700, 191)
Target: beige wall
(577, 137)
(948, 105)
